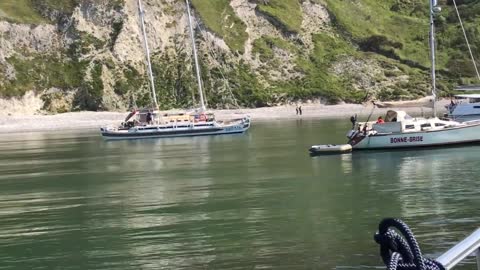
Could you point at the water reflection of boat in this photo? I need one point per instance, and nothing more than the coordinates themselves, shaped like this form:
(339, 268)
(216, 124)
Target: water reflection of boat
(152, 124)
(418, 180)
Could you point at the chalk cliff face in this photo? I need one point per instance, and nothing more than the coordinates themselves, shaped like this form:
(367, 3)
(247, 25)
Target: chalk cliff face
(69, 55)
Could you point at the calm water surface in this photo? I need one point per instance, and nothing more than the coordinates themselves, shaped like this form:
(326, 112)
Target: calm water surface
(253, 201)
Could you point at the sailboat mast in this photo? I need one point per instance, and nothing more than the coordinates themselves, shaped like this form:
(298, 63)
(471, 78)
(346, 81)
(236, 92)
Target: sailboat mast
(141, 12)
(197, 66)
(433, 4)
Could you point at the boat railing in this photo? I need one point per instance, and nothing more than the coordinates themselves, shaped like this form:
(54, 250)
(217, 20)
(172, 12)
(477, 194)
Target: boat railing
(458, 253)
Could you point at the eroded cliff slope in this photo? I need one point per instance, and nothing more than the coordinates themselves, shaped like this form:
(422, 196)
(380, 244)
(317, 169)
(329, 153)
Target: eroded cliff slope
(87, 54)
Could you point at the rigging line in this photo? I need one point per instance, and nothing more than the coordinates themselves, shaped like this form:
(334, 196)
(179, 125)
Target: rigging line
(213, 54)
(466, 39)
(195, 57)
(141, 13)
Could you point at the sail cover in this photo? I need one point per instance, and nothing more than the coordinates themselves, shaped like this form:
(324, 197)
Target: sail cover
(396, 116)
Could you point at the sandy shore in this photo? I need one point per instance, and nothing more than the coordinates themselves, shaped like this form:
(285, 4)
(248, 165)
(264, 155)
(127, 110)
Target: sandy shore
(94, 120)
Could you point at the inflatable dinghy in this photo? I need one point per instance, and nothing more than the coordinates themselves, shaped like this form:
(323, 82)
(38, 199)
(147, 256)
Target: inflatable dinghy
(330, 149)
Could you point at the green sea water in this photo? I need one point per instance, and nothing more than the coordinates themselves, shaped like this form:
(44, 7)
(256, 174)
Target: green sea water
(71, 200)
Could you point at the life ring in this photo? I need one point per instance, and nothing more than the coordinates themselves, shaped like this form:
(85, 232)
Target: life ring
(203, 117)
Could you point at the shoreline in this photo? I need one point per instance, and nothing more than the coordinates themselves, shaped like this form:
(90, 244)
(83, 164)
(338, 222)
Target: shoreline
(95, 120)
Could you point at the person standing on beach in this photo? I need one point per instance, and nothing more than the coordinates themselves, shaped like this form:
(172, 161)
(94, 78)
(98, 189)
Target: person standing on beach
(296, 109)
(300, 110)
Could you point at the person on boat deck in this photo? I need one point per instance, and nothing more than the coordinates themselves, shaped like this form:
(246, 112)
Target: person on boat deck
(149, 118)
(452, 105)
(380, 120)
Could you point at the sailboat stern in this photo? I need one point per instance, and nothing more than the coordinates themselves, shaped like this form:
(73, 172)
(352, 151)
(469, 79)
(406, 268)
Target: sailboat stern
(355, 137)
(246, 122)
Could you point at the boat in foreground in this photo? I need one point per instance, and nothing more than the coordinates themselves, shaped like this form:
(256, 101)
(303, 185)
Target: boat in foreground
(399, 130)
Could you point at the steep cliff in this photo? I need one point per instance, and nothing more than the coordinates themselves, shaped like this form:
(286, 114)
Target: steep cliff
(87, 54)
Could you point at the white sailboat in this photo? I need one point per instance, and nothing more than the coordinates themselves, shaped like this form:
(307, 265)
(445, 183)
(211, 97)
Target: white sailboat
(466, 106)
(153, 124)
(401, 130)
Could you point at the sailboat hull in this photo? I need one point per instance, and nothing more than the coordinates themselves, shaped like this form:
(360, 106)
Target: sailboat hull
(150, 132)
(448, 136)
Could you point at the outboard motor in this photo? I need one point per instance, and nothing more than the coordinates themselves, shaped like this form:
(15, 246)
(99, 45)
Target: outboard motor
(352, 132)
(353, 119)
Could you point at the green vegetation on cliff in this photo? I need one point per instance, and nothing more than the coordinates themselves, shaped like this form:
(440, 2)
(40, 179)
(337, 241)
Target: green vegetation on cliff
(319, 80)
(20, 11)
(90, 93)
(219, 17)
(42, 11)
(63, 6)
(264, 47)
(31, 11)
(399, 30)
(285, 13)
(363, 49)
(41, 72)
(376, 27)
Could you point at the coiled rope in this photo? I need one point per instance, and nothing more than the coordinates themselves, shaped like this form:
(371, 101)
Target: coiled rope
(401, 251)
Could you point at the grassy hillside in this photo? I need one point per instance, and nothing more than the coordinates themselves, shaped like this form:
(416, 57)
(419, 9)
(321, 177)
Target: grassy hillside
(43, 71)
(220, 18)
(370, 49)
(383, 27)
(286, 13)
(38, 11)
(403, 26)
(20, 11)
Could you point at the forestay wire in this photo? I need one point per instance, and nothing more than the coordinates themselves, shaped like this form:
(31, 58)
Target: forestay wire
(401, 251)
(466, 39)
(211, 52)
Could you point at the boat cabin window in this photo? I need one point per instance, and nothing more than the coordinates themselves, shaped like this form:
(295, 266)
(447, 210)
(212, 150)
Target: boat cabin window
(440, 124)
(426, 125)
(409, 126)
(476, 107)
